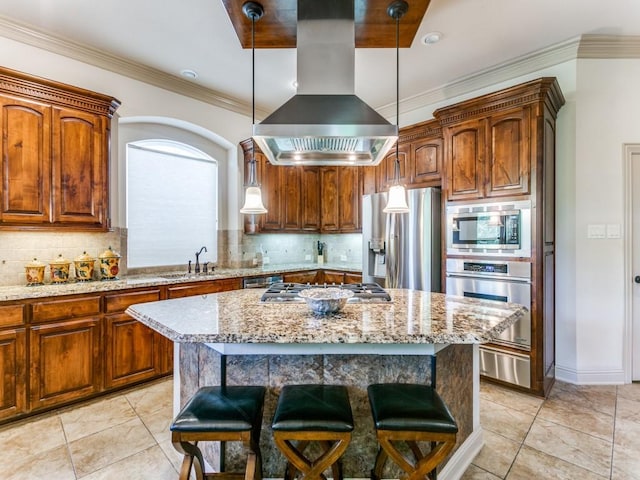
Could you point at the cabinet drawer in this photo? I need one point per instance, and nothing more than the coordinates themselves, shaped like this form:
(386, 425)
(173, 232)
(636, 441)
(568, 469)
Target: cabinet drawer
(120, 302)
(11, 315)
(64, 309)
(203, 288)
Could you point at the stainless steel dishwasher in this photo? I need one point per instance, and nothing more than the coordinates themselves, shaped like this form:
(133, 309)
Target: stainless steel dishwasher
(261, 282)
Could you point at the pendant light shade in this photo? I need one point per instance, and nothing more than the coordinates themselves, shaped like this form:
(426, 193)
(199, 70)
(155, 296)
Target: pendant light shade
(253, 201)
(397, 200)
(253, 195)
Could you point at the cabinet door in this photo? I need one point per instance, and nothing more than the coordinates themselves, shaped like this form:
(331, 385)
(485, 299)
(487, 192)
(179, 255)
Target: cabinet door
(13, 375)
(65, 362)
(509, 163)
(387, 168)
(349, 193)
(425, 162)
(271, 195)
(465, 153)
(79, 168)
(291, 200)
(132, 351)
(310, 186)
(330, 217)
(26, 150)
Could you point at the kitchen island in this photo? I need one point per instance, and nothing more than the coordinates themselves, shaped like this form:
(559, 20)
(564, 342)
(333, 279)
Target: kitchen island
(232, 338)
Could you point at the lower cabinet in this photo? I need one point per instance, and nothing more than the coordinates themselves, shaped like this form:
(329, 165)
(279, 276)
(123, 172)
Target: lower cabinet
(313, 277)
(202, 288)
(13, 372)
(133, 352)
(65, 361)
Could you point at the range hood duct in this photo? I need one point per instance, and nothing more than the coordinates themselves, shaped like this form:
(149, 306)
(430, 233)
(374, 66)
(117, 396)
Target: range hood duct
(325, 123)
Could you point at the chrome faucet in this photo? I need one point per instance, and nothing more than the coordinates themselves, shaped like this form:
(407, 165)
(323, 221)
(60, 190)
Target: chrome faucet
(197, 267)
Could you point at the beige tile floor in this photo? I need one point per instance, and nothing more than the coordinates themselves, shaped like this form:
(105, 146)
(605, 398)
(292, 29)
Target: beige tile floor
(579, 432)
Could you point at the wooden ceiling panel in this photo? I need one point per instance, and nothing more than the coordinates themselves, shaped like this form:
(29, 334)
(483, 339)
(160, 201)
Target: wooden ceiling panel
(373, 26)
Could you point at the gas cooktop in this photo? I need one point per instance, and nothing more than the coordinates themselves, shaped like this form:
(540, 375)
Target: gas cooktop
(362, 292)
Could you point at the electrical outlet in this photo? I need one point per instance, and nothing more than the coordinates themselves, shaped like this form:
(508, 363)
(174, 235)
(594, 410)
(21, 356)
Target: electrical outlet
(343, 258)
(307, 257)
(265, 260)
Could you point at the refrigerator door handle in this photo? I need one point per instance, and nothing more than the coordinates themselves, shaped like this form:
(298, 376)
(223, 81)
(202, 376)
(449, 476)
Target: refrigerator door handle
(393, 246)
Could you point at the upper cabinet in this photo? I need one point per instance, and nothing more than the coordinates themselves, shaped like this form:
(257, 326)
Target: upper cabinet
(488, 146)
(55, 154)
(304, 198)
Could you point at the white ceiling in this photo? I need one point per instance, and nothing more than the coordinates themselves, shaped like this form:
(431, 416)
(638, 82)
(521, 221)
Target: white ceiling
(172, 35)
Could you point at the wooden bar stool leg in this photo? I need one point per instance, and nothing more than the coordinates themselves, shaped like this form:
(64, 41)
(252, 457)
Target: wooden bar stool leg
(381, 459)
(192, 457)
(336, 468)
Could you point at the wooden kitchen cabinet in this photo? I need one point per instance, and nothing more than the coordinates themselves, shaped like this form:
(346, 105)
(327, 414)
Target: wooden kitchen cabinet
(65, 361)
(13, 361)
(55, 154)
(350, 277)
(133, 352)
(425, 165)
(203, 288)
(25, 161)
(312, 277)
(387, 167)
(305, 198)
(341, 189)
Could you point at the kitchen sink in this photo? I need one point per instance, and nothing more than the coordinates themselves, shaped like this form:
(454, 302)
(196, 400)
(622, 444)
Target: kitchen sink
(178, 275)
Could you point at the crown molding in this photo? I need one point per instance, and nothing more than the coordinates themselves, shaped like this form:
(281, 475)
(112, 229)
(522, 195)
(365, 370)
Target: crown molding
(526, 64)
(62, 46)
(609, 46)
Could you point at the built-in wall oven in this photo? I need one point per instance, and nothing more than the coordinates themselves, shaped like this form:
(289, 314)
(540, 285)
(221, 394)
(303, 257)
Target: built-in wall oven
(497, 229)
(503, 281)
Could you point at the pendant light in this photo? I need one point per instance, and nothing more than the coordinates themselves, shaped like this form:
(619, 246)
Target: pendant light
(397, 201)
(253, 196)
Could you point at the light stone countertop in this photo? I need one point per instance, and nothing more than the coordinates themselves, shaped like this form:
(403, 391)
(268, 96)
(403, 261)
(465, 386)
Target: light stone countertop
(22, 292)
(413, 317)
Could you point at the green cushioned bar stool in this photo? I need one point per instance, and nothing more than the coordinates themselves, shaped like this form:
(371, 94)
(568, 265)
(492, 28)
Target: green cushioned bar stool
(411, 413)
(220, 414)
(312, 413)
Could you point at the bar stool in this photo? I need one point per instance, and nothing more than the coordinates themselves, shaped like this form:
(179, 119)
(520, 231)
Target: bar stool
(308, 413)
(411, 413)
(220, 414)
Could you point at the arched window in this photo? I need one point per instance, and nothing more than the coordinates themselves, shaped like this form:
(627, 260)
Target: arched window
(171, 203)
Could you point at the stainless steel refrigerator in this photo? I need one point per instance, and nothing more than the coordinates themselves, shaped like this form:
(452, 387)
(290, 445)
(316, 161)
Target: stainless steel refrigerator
(402, 250)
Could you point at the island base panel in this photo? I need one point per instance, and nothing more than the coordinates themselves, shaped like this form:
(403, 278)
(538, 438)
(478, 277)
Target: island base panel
(202, 366)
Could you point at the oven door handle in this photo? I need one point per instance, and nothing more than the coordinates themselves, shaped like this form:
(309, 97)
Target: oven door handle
(491, 277)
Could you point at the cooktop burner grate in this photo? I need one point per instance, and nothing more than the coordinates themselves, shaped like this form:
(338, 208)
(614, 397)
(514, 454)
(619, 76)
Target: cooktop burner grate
(362, 292)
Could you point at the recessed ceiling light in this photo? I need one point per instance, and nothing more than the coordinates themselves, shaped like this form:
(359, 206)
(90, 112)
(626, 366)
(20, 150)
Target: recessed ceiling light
(431, 38)
(189, 73)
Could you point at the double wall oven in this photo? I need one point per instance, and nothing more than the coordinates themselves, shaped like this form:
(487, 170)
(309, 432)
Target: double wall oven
(503, 231)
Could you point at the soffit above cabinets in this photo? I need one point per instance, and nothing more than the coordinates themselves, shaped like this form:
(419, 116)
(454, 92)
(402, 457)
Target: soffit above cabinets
(373, 26)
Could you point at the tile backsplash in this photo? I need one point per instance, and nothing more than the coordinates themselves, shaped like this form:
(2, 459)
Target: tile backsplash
(19, 248)
(235, 249)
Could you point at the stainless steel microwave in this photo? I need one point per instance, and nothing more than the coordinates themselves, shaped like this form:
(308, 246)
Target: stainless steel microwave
(497, 228)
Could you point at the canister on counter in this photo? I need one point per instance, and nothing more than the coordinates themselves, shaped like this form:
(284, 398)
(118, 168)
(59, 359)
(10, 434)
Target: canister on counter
(59, 269)
(34, 271)
(109, 264)
(84, 265)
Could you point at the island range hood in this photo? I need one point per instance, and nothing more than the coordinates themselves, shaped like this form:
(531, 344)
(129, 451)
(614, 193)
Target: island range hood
(325, 123)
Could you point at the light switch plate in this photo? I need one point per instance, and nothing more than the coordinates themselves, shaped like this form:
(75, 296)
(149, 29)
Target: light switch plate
(613, 230)
(265, 260)
(596, 230)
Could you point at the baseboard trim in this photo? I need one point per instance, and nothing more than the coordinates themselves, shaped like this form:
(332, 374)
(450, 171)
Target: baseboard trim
(463, 456)
(586, 377)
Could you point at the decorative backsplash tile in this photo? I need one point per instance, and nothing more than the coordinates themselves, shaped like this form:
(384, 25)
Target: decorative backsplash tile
(235, 249)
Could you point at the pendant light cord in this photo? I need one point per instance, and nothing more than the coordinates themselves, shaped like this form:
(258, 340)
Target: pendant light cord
(397, 169)
(252, 167)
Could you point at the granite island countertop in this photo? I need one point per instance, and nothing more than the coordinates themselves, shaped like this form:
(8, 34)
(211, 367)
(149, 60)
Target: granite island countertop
(21, 292)
(412, 317)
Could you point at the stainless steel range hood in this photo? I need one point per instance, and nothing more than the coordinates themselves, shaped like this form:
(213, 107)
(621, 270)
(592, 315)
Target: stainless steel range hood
(325, 123)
